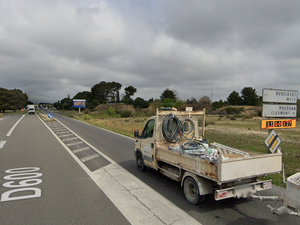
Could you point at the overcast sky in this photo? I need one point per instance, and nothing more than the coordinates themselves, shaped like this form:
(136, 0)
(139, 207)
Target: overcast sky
(52, 48)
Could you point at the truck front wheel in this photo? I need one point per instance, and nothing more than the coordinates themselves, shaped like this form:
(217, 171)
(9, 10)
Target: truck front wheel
(140, 162)
(191, 191)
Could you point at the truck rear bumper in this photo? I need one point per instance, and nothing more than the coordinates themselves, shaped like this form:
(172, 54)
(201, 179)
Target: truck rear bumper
(243, 191)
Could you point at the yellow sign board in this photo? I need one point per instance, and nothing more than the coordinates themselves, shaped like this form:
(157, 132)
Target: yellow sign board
(278, 123)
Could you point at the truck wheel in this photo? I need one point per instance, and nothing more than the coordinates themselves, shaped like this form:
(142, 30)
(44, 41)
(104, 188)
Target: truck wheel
(191, 191)
(140, 162)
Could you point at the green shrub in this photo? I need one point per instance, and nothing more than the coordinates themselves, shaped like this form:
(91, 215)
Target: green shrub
(124, 113)
(111, 111)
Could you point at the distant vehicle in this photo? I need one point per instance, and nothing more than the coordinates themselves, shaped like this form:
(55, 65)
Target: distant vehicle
(31, 109)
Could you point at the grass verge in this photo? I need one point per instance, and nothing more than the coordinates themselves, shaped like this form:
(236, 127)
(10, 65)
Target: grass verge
(240, 133)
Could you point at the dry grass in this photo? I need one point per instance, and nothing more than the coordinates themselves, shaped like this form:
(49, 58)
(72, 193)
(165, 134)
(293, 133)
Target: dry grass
(240, 133)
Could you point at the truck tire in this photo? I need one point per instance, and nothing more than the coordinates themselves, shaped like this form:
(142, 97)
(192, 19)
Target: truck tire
(191, 191)
(140, 162)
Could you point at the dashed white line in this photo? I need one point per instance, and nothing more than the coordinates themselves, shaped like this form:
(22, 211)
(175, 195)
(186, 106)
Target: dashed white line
(2, 143)
(138, 202)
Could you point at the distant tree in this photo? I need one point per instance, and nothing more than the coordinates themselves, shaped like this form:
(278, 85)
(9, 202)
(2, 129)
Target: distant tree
(101, 91)
(168, 102)
(129, 91)
(168, 94)
(178, 104)
(12, 99)
(4, 99)
(94, 104)
(234, 98)
(87, 95)
(191, 101)
(67, 103)
(218, 104)
(140, 103)
(204, 102)
(249, 96)
(115, 91)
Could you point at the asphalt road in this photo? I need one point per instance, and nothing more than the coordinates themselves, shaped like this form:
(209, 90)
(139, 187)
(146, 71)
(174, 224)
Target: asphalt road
(70, 197)
(66, 194)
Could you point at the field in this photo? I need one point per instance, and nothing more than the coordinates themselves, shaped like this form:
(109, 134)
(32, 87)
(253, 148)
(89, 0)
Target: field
(239, 133)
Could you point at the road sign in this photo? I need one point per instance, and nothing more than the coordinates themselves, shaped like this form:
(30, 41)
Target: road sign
(278, 124)
(280, 96)
(50, 115)
(270, 110)
(79, 103)
(273, 141)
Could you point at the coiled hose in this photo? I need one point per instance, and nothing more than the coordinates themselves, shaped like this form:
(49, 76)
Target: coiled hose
(188, 127)
(172, 128)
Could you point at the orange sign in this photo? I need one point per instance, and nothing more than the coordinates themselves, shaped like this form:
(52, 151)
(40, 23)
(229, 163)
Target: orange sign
(278, 124)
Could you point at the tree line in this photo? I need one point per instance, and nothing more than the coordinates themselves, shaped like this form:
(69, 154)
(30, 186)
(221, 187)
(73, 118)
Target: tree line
(101, 93)
(13, 99)
(109, 92)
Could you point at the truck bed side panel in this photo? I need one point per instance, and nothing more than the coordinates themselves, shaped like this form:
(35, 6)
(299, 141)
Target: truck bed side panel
(249, 167)
(196, 165)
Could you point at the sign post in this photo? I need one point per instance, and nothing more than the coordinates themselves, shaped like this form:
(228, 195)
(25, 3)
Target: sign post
(281, 104)
(79, 103)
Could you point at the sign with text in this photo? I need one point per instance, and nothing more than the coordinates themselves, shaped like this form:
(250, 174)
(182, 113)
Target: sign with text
(270, 110)
(279, 96)
(79, 103)
(278, 124)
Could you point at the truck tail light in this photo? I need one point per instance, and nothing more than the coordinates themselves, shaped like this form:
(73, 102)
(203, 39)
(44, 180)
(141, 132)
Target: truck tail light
(266, 185)
(222, 194)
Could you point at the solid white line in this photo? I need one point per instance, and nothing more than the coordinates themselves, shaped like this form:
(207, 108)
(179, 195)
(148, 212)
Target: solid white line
(2, 143)
(14, 126)
(138, 202)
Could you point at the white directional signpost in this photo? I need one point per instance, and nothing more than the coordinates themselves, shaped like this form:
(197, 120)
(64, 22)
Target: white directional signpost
(281, 104)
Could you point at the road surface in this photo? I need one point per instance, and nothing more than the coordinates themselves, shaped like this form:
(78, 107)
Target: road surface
(74, 162)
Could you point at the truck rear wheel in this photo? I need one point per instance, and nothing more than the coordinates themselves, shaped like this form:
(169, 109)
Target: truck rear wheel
(140, 162)
(191, 191)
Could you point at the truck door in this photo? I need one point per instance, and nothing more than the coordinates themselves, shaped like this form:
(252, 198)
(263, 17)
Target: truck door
(147, 142)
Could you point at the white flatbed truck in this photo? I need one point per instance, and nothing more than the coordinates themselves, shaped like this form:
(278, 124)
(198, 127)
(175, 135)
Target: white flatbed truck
(214, 169)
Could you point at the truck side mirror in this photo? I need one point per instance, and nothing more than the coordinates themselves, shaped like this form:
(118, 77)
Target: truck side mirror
(136, 133)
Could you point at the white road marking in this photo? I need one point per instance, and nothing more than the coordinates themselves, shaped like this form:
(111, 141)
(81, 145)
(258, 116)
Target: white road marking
(69, 139)
(14, 126)
(75, 143)
(2, 143)
(65, 135)
(58, 129)
(81, 149)
(138, 202)
(84, 159)
(63, 132)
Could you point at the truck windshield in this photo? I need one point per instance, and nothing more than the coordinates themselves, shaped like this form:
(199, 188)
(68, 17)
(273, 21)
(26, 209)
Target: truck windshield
(148, 130)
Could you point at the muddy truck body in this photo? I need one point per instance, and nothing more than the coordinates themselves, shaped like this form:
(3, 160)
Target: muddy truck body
(173, 143)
